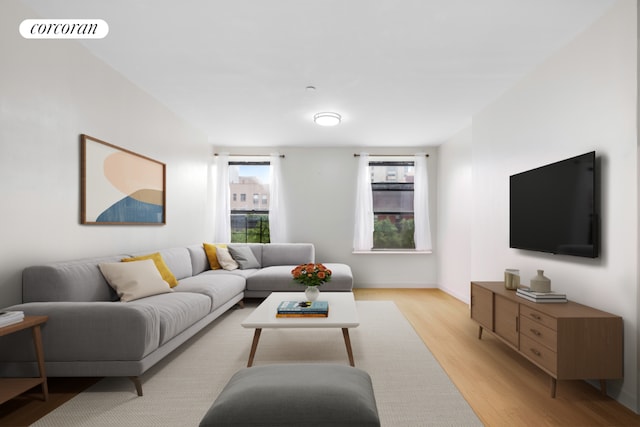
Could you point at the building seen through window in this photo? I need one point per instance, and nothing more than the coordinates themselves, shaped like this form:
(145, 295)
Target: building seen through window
(249, 215)
(392, 190)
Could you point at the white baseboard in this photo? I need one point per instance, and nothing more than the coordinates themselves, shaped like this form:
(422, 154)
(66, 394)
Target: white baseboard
(394, 286)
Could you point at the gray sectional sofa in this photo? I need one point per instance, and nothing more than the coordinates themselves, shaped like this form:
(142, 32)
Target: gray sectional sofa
(90, 333)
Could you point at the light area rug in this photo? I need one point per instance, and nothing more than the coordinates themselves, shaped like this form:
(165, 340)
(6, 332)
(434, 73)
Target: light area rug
(410, 387)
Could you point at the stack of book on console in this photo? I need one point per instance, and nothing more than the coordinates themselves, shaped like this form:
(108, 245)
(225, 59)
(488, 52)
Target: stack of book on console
(303, 309)
(544, 297)
(10, 317)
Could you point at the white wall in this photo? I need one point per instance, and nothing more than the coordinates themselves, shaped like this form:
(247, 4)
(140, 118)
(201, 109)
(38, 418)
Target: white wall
(54, 90)
(51, 91)
(320, 188)
(583, 98)
(454, 215)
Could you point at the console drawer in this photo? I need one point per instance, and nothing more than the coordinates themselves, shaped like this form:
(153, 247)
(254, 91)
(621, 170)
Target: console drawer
(540, 333)
(539, 354)
(535, 315)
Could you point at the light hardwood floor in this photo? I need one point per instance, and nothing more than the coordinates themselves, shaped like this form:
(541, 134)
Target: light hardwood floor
(501, 387)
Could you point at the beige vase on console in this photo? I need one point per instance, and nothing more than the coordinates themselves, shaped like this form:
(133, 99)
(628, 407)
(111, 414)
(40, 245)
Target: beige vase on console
(540, 283)
(511, 279)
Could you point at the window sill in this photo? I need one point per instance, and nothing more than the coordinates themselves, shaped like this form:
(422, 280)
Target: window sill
(392, 252)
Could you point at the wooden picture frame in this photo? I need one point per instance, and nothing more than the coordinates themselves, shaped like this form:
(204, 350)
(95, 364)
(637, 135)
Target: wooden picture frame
(120, 187)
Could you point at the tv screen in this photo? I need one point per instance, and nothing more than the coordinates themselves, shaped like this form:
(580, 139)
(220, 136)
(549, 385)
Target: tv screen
(554, 208)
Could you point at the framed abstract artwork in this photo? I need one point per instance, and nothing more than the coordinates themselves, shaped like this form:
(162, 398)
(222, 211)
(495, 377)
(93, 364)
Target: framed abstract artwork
(119, 186)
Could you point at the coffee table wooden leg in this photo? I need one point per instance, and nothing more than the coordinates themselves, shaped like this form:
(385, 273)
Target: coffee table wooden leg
(347, 342)
(254, 346)
(37, 342)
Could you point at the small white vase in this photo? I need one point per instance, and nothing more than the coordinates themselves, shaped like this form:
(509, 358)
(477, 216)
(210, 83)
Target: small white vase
(311, 293)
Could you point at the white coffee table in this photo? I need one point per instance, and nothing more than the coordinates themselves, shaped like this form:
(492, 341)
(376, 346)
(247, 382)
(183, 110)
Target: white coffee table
(342, 314)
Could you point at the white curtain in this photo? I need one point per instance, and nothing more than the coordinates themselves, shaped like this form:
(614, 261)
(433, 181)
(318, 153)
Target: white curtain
(222, 225)
(363, 230)
(422, 232)
(277, 220)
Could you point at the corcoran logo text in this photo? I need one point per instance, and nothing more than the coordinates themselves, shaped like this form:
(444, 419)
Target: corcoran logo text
(64, 28)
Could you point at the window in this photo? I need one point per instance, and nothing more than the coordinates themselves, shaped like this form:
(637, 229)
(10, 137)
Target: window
(249, 218)
(392, 191)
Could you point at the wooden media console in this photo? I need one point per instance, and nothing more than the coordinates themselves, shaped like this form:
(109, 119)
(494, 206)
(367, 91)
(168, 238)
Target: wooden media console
(568, 341)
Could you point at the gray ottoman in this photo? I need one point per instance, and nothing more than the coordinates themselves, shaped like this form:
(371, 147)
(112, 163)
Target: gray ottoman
(310, 395)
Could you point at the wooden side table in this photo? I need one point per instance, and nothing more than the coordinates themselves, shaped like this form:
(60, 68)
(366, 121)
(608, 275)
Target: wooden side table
(12, 387)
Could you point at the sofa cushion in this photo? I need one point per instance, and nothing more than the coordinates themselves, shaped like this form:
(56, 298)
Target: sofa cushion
(236, 272)
(199, 261)
(134, 280)
(276, 278)
(162, 267)
(341, 278)
(256, 248)
(178, 260)
(219, 287)
(177, 311)
(87, 331)
(279, 279)
(287, 254)
(244, 256)
(79, 280)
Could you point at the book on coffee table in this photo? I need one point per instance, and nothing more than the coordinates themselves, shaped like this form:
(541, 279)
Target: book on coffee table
(303, 309)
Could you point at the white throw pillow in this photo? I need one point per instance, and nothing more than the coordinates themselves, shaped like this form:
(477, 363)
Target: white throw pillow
(225, 259)
(134, 280)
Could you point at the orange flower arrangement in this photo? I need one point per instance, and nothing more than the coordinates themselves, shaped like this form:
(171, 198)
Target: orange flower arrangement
(311, 274)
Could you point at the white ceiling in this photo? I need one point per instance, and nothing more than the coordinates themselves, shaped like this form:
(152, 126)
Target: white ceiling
(400, 72)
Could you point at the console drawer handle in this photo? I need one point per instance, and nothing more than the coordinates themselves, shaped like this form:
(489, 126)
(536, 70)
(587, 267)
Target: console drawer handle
(536, 352)
(535, 316)
(535, 332)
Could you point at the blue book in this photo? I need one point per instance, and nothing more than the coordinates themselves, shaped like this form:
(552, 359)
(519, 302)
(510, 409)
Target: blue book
(303, 307)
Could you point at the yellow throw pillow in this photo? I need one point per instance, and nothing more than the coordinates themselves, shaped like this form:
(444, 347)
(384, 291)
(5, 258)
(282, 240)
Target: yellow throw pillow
(210, 250)
(166, 274)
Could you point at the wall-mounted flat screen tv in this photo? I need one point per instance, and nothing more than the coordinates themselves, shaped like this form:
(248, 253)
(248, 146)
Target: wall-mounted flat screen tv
(555, 208)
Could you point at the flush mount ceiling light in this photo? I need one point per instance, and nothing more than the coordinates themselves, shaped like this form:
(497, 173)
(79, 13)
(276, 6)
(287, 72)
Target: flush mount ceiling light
(327, 119)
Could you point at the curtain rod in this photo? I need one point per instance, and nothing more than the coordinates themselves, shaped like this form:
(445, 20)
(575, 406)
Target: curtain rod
(250, 155)
(388, 155)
